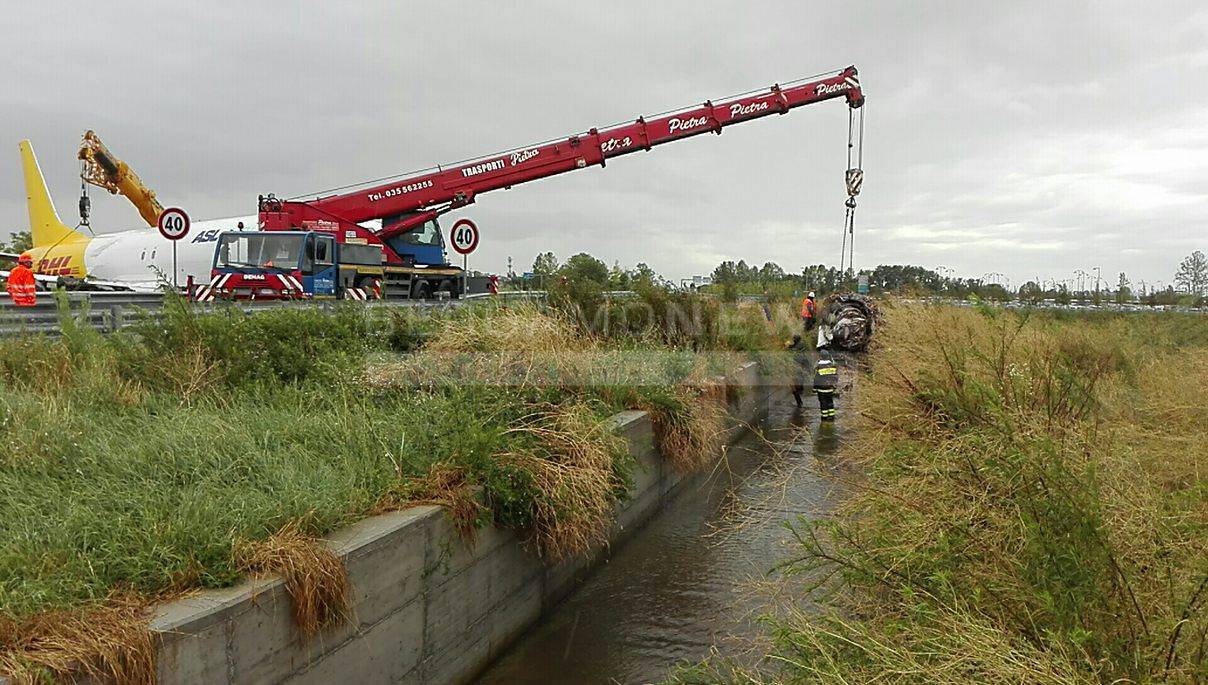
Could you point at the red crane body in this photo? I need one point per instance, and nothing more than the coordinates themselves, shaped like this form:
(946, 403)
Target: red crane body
(408, 202)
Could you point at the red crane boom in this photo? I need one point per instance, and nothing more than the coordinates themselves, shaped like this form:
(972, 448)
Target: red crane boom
(410, 201)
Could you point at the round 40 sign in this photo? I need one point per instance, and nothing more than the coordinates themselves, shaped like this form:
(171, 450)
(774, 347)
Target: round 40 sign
(174, 223)
(464, 236)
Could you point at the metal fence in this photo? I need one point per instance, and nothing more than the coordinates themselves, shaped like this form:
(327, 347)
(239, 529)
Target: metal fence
(111, 311)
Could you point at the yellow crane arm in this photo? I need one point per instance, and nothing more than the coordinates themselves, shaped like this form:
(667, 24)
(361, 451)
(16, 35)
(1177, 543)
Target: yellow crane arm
(102, 168)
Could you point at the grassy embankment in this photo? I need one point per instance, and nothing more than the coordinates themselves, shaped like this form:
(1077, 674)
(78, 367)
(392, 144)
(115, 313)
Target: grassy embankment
(1031, 507)
(193, 452)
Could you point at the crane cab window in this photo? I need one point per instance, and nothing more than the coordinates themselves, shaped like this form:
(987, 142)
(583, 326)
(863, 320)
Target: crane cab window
(259, 250)
(426, 234)
(323, 251)
(320, 253)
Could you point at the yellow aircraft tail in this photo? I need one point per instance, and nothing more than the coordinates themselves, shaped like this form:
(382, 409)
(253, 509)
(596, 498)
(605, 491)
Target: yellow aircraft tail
(44, 223)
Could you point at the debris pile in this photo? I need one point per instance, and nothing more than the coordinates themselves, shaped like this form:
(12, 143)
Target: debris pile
(848, 321)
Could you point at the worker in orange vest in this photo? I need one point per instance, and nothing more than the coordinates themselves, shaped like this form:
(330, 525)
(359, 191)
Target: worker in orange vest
(21, 283)
(809, 311)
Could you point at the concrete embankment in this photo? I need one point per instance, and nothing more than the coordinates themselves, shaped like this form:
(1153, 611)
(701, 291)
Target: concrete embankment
(429, 605)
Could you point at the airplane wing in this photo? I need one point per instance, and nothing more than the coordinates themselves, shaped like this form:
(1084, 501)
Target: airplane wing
(9, 255)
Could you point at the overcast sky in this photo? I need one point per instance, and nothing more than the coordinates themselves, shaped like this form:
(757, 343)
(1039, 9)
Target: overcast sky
(1028, 138)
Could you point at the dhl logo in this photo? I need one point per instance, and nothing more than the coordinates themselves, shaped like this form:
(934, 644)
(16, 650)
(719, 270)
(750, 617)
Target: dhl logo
(57, 266)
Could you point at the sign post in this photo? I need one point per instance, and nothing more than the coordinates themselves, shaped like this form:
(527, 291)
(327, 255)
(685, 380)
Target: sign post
(174, 225)
(464, 239)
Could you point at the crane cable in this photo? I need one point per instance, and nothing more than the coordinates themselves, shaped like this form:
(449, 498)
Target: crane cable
(854, 179)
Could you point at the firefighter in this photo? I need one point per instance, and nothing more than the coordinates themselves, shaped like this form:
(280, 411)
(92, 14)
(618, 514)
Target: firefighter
(809, 311)
(826, 384)
(801, 370)
(21, 282)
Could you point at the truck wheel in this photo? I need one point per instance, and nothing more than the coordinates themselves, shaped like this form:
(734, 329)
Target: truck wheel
(447, 286)
(422, 291)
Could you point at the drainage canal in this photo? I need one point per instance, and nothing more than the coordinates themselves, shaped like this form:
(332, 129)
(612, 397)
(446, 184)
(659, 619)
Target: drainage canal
(696, 576)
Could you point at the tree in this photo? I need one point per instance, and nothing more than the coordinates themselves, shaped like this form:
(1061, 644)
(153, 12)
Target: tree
(726, 276)
(1063, 295)
(584, 267)
(642, 274)
(1123, 291)
(1193, 273)
(770, 272)
(745, 273)
(1031, 292)
(545, 265)
(21, 241)
(618, 278)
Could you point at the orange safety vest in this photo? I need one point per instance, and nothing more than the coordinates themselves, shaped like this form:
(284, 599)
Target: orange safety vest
(21, 286)
(807, 308)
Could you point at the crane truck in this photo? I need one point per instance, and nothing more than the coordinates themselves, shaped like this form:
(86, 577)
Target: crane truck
(384, 240)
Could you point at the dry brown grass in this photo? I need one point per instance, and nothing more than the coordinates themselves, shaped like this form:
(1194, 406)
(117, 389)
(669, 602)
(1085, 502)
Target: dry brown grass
(445, 485)
(315, 579)
(958, 648)
(194, 373)
(107, 643)
(570, 460)
(1050, 473)
(519, 329)
(519, 347)
(692, 438)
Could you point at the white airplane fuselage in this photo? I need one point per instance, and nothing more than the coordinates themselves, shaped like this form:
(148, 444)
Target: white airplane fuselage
(142, 257)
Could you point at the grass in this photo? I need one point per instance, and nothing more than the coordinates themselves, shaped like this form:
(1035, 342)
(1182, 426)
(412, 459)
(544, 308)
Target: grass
(196, 450)
(315, 579)
(1033, 507)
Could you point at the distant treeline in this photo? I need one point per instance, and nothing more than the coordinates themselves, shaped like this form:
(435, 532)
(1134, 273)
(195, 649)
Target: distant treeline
(738, 278)
(732, 279)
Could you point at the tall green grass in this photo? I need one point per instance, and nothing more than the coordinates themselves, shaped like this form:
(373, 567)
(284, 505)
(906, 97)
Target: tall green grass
(134, 464)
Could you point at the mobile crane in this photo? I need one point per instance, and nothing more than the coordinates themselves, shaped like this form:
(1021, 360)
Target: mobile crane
(103, 169)
(406, 256)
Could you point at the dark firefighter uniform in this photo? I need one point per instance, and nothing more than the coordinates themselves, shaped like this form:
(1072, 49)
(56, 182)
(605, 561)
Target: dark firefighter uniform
(802, 362)
(826, 383)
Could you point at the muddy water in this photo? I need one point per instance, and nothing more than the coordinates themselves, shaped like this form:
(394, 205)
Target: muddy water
(697, 576)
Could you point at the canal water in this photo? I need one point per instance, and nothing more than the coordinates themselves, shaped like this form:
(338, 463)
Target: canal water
(697, 576)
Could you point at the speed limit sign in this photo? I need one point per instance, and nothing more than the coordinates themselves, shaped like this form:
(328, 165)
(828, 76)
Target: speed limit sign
(464, 236)
(174, 223)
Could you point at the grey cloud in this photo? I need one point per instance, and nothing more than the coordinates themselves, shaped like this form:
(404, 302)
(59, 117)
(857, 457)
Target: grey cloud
(1031, 138)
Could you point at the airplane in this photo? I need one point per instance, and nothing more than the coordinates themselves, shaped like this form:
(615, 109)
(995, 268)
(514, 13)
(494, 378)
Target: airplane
(125, 260)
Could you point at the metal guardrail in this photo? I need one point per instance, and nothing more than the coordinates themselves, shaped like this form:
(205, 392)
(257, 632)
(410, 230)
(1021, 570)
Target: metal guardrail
(111, 311)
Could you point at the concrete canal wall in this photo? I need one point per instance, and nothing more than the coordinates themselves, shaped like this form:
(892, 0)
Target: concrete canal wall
(430, 607)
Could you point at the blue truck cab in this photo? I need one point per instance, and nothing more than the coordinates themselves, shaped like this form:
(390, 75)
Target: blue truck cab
(314, 264)
(275, 265)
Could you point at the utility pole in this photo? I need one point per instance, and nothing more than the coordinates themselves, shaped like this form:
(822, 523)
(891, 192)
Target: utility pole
(1082, 276)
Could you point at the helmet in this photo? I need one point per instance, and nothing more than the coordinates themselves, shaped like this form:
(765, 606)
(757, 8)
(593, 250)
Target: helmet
(811, 295)
(25, 259)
